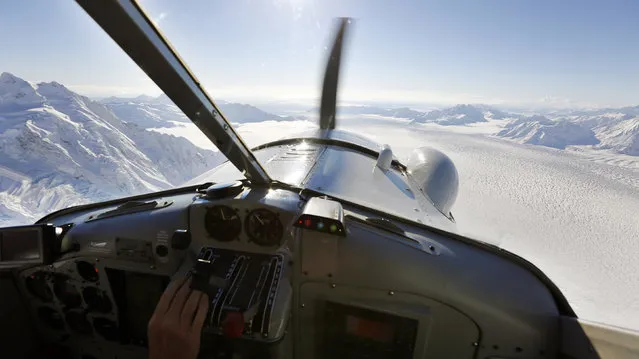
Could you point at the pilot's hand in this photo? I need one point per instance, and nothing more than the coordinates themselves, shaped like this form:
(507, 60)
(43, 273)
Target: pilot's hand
(176, 324)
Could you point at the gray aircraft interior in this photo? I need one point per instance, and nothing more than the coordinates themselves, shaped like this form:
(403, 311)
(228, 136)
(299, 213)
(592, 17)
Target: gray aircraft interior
(319, 246)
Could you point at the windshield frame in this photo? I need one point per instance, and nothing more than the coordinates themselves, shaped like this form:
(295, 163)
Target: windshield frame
(132, 29)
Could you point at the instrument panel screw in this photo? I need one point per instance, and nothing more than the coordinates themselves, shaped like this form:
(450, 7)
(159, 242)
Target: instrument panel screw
(97, 259)
(265, 335)
(475, 344)
(305, 272)
(390, 292)
(330, 275)
(152, 267)
(303, 305)
(333, 285)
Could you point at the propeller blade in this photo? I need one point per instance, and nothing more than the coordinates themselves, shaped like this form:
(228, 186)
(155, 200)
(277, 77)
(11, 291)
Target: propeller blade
(331, 78)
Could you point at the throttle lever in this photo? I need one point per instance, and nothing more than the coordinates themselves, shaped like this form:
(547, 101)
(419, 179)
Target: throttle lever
(204, 280)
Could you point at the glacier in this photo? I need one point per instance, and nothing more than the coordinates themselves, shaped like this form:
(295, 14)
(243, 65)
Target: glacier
(559, 188)
(612, 130)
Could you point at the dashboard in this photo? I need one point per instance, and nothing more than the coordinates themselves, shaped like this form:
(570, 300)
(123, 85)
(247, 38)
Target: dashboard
(287, 276)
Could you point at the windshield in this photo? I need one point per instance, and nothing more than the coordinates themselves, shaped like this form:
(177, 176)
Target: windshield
(535, 103)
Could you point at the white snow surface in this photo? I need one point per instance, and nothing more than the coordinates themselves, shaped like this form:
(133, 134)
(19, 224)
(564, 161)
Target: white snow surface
(61, 149)
(614, 130)
(160, 112)
(571, 212)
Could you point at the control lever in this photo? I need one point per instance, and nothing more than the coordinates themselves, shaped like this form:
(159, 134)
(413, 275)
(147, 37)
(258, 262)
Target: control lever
(234, 322)
(204, 280)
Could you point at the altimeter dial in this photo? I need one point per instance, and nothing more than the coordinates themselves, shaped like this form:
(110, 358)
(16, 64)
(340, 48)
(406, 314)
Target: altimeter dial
(222, 223)
(263, 227)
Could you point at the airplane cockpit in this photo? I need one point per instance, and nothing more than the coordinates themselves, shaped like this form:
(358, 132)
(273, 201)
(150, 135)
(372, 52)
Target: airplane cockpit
(289, 274)
(320, 246)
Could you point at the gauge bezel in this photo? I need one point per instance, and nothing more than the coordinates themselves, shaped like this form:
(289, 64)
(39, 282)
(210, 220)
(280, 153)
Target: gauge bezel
(234, 235)
(268, 243)
(66, 292)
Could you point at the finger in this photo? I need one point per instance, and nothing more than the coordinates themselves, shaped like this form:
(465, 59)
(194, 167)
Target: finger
(167, 297)
(200, 315)
(186, 318)
(175, 309)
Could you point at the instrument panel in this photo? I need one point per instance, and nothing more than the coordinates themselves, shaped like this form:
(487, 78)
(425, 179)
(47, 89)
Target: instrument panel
(280, 279)
(238, 224)
(68, 299)
(261, 226)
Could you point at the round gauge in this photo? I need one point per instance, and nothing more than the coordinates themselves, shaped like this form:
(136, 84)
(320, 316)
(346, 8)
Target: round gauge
(65, 291)
(264, 227)
(87, 271)
(37, 285)
(222, 223)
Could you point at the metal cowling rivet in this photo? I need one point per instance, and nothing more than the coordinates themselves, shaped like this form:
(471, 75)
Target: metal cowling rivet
(390, 292)
(333, 285)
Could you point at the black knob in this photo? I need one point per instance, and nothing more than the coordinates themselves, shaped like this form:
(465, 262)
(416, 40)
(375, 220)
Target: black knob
(161, 250)
(181, 239)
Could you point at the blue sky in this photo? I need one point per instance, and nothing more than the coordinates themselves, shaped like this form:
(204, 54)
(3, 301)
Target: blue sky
(562, 53)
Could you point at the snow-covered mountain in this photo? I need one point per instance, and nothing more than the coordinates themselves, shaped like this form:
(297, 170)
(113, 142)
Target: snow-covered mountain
(153, 112)
(622, 137)
(60, 149)
(146, 111)
(616, 130)
(539, 130)
(456, 115)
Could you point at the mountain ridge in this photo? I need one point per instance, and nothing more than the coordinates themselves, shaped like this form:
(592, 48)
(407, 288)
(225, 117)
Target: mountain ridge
(61, 148)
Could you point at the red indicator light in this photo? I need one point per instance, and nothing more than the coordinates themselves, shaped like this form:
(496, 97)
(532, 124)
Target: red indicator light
(299, 222)
(307, 222)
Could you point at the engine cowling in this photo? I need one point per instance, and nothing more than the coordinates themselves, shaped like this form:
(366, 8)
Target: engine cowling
(436, 176)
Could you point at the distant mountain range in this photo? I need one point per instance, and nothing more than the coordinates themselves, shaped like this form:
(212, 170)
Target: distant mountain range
(153, 112)
(610, 129)
(60, 148)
